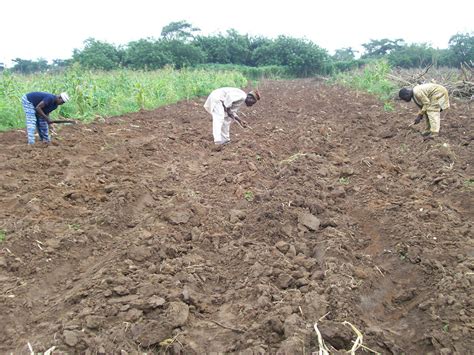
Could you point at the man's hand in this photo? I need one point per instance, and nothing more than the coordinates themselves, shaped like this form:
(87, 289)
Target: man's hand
(418, 119)
(239, 121)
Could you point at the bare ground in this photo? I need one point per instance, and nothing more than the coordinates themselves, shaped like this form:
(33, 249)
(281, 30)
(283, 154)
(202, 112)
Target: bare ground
(132, 234)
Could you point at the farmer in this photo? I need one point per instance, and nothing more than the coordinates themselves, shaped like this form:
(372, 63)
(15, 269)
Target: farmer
(431, 99)
(223, 105)
(37, 106)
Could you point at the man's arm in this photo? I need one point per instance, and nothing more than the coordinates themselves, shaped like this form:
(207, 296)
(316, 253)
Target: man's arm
(39, 111)
(423, 99)
(232, 114)
(237, 119)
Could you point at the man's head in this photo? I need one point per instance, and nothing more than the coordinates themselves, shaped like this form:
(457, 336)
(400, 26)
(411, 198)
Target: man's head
(252, 98)
(62, 98)
(405, 94)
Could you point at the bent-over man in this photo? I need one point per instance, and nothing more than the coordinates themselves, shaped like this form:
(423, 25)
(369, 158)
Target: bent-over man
(223, 105)
(37, 106)
(431, 99)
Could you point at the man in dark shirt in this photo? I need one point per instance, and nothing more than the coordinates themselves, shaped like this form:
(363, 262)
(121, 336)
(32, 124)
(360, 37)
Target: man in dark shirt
(37, 106)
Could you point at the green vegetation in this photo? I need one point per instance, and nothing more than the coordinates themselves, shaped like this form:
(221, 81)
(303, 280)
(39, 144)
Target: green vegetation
(249, 196)
(254, 73)
(469, 183)
(181, 46)
(107, 80)
(372, 79)
(102, 94)
(74, 226)
(400, 54)
(3, 235)
(344, 180)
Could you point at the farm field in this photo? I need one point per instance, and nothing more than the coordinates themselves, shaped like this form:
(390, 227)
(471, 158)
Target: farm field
(133, 234)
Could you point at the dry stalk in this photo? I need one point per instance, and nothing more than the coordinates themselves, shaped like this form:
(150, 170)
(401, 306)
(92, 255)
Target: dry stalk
(357, 344)
(423, 73)
(378, 269)
(358, 341)
(168, 342)
(324, 316)
(293, 158)
(323, 350)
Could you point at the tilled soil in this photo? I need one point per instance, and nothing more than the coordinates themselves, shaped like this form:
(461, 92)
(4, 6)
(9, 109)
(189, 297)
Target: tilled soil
(135, 235)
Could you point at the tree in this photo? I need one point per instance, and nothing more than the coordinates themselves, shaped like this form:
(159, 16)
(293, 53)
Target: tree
(238, 47)
(303, 57)
(344, 54)
(412, 56)
(59, 64)
(231, 48)
(256, 43)
(462, 47)
(98, 55)
(445, 57)
(26, 66)
(381, 47)
(145, 54)
(180, 30)
(182, 54)
(215, 48)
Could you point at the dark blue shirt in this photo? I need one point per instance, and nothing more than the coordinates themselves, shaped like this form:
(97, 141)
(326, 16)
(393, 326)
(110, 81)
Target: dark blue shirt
(49, 100)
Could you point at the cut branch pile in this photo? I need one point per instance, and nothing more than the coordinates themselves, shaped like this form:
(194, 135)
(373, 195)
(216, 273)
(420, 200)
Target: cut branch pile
(458, 82)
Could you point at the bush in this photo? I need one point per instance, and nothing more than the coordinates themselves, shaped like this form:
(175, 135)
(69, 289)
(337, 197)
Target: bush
(254, 73)
(371, 78)
(347, 65)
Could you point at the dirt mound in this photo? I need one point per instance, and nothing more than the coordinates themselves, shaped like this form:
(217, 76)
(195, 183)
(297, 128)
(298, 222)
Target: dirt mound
(133, 234)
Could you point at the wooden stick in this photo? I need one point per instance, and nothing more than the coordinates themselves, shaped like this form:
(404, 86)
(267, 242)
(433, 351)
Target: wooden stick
(424, 72)
(64, 121)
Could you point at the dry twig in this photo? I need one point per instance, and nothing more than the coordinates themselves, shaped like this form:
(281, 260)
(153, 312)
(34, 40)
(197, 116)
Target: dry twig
(227, 327)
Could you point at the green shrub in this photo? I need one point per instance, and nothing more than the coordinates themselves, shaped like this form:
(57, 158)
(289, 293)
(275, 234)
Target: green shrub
(254, 73)
(372, 78)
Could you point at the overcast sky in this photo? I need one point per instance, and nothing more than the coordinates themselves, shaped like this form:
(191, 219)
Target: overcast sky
(32, 29)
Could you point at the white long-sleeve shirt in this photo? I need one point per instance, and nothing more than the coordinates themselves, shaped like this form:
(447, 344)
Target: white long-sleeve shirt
(231, 98)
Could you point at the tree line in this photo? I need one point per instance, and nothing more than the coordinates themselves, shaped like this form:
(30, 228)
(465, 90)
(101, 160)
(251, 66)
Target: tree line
(180, 46)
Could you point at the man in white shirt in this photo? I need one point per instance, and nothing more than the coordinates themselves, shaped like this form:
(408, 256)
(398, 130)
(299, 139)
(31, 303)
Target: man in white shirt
(223, 105)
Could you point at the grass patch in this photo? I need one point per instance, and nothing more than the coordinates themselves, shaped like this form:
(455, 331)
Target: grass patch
(3, 235)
